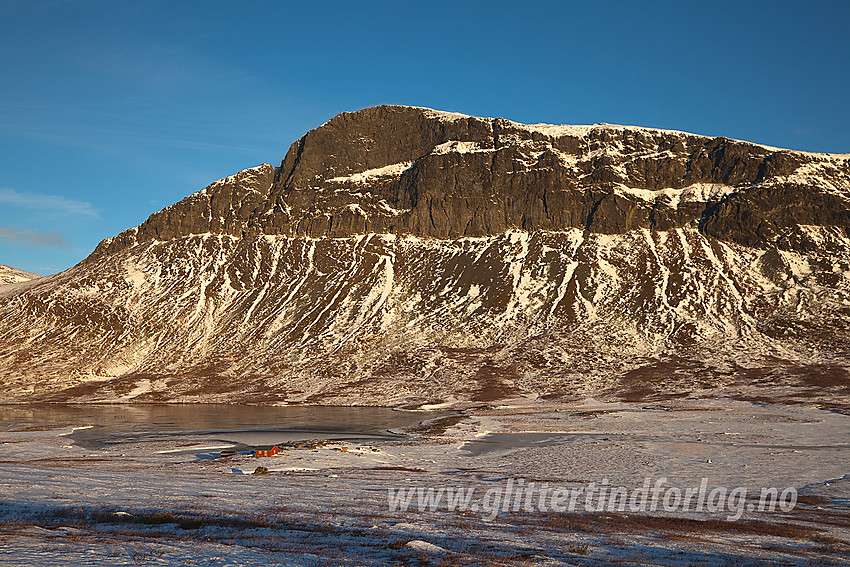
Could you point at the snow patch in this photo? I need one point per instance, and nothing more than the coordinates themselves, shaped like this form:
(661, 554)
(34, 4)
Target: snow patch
(363, 177)
(443, 115)
(696, 193)
(388, 209)
(425, 547)
(458, 147)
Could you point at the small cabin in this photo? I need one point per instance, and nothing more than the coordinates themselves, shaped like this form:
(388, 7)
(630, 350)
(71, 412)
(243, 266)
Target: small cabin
(266, 451)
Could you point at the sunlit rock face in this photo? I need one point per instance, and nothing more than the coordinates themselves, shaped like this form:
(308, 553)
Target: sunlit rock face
(403, 255)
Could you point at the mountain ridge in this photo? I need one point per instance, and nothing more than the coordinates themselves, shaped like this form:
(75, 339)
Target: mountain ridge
(279, 200)
(400, 255)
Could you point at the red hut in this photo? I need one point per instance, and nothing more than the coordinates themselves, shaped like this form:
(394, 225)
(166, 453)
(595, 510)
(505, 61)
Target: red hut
(266, 451)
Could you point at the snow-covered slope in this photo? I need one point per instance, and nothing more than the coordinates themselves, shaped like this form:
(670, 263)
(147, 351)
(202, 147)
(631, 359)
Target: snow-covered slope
(407, 255)
(10, 275)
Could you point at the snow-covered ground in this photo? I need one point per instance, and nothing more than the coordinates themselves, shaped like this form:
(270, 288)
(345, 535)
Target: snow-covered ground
(159, 504)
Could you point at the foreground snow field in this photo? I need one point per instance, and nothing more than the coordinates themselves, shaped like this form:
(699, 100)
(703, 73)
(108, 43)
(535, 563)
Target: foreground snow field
(156, 504)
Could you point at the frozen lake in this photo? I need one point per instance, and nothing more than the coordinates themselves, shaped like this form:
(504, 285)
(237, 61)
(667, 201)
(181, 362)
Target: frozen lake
(109, 425)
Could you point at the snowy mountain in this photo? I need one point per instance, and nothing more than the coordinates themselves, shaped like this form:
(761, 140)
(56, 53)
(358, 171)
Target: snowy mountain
(10, 275)
(404, 255)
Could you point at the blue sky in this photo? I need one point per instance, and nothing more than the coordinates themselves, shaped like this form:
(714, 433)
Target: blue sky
(112, 110)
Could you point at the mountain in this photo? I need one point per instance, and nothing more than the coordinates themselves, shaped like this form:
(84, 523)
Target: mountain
(402, 255)
(10, 275)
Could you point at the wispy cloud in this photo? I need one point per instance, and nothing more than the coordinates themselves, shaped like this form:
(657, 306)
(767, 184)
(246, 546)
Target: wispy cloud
(55, 204)
(33, 237)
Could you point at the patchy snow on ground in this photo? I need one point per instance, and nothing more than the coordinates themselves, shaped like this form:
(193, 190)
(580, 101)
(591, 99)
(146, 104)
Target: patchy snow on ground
(152, 503)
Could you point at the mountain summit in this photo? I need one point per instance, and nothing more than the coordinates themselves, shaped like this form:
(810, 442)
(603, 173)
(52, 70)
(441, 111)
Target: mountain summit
(405, 255)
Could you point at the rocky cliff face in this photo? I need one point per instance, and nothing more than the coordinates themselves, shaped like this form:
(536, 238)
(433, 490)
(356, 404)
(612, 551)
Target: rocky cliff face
(403, 255)
(402, 170)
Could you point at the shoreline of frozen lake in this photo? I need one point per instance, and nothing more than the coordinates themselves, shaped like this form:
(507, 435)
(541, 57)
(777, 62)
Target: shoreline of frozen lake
(315, 507)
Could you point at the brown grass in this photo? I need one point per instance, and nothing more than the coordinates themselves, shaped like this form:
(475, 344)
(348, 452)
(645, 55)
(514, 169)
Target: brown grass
(436, 426)
(812, 500)
(397, 544)
(492, 384)
(661, 379)
(823, 376)
(671, 526)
